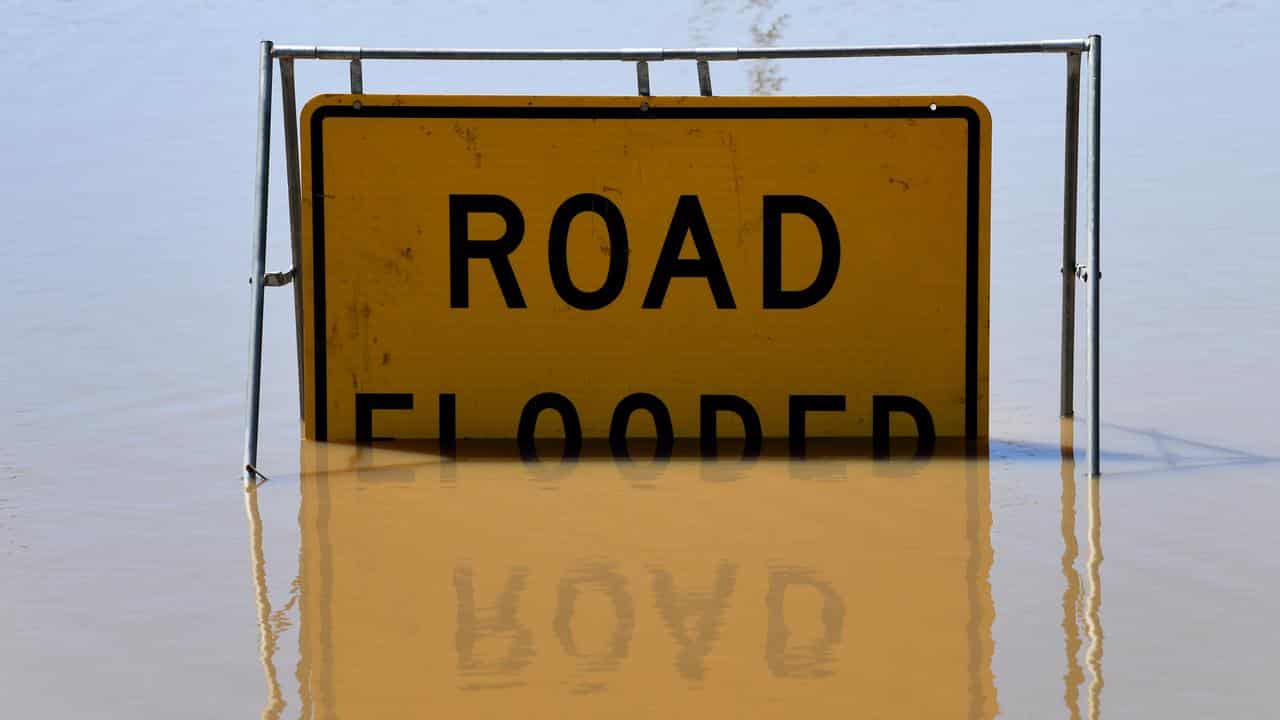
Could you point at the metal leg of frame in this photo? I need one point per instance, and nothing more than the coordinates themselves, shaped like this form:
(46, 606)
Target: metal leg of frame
(1094, 273)
(704, 78)
(259, 262)
(1070, 192)
(289, 109)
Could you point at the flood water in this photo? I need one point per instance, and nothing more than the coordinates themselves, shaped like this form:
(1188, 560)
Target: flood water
(138, 579)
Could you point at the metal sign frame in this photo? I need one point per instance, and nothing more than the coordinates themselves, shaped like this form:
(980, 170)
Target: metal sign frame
(1089, 273)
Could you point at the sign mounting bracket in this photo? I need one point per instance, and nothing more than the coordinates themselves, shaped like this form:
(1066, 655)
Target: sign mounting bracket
(1073, 49)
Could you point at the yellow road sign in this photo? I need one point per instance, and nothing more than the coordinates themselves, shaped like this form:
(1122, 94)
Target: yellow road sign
(496, 267)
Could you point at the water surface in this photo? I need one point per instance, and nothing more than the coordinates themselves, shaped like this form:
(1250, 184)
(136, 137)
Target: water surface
(132, 583)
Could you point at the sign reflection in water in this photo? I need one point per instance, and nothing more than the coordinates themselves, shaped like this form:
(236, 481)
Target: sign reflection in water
(831, 587)
(488, 586)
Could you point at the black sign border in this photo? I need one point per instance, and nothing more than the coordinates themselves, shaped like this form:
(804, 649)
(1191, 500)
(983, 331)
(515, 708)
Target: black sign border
(973, 190)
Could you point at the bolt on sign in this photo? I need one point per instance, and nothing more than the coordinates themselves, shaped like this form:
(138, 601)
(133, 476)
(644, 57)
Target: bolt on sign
(496, 267)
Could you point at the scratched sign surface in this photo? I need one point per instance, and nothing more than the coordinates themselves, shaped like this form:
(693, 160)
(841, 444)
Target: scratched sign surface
(645, 267)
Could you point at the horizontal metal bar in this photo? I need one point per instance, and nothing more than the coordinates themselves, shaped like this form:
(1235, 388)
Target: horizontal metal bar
(658, 54)
(1010, 48)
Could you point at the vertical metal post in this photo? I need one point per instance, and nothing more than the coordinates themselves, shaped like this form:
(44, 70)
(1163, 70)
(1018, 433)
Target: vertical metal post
(1094, 274)
(704, 78)
(289, 109)
(357, 77)
(642, 78)
(1070, 192)
(259, 261)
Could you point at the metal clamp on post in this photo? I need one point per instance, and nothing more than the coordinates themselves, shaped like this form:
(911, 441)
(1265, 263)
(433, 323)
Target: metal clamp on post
(278, 279)
(704, 78)
(642, 78)
(357, 77)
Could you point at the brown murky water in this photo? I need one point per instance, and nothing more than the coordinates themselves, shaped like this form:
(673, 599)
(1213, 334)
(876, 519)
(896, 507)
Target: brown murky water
(137, 579)
(390, 580)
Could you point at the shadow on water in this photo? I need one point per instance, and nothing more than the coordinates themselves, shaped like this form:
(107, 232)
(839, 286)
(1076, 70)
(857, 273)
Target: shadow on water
(1154, 451)
(1177, 454)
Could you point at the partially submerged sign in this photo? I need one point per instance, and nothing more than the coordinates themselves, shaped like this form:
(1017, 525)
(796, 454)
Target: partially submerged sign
(632, 267)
